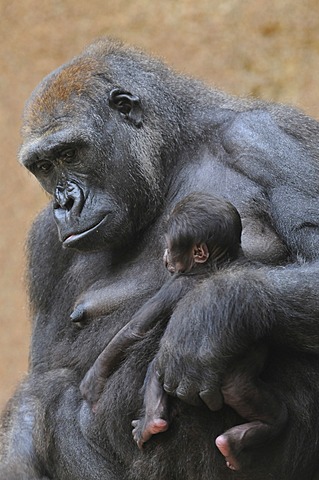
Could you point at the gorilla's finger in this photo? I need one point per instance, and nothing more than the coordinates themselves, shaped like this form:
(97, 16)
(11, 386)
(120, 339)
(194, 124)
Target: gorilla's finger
(188, 396)
(170, 389)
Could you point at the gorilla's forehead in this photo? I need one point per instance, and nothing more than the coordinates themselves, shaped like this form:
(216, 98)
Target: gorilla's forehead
(51, 99)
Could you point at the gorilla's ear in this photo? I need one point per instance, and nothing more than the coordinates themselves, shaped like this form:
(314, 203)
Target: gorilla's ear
(127, 104)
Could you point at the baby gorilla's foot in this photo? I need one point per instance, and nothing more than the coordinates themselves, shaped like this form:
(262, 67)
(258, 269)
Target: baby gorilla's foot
(146, 427)
(225, 448)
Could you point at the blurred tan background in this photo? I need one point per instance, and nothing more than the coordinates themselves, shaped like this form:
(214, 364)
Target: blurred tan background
(248, 47)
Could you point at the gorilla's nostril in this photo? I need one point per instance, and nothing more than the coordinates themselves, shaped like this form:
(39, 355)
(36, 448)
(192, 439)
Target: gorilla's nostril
(68, 204)
(69, 197)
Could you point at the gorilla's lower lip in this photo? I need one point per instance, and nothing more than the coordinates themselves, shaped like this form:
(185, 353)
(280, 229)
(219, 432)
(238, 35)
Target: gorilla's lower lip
(71, 240)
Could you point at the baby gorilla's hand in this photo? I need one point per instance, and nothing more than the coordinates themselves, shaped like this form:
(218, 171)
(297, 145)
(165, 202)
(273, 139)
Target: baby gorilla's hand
(92, 387)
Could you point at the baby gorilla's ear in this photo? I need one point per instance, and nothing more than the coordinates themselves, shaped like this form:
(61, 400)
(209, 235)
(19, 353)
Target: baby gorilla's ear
(200, 253)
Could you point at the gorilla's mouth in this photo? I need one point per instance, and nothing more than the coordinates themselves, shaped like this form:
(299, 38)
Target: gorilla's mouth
(74, 239)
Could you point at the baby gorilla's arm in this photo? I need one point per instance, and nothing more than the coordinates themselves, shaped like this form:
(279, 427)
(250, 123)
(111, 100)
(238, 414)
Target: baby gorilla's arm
(157, 308)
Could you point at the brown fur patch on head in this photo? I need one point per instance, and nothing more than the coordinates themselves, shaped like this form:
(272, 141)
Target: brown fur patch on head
(74, 78)
(50, 101)
(52, 97)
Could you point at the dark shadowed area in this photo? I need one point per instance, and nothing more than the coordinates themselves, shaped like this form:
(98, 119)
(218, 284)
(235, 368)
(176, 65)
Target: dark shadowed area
(267, 49)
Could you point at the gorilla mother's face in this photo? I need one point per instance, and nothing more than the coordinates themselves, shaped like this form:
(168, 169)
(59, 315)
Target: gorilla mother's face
(89, 148)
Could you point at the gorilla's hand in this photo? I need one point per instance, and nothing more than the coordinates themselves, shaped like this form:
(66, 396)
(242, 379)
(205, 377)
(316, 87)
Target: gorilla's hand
(185, 364)
(213, 326)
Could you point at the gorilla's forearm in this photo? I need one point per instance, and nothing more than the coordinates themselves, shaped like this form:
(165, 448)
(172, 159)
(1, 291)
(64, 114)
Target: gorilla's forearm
(284, 299)
(214, 325)
(295, 303)
(33, 446)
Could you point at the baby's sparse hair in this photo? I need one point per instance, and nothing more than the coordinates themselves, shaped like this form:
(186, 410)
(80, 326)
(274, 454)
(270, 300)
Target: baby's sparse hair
(203, 218)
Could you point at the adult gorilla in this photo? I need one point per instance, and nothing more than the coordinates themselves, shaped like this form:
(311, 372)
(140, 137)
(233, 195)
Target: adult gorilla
(117, 139)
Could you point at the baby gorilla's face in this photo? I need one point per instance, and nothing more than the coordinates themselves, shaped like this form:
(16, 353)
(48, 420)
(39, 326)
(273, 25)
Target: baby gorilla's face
(179, 260)
(168, 262)
(180, 263)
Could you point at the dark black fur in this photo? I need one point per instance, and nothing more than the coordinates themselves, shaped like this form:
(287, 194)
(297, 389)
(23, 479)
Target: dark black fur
(197, 220)
(117, 139)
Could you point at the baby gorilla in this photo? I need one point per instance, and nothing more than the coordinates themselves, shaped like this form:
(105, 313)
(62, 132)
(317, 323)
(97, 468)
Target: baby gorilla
(203, 234)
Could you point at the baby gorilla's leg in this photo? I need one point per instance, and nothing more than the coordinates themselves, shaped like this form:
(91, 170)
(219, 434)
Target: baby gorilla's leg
(232, 442)
(155, 417)
(255, 401)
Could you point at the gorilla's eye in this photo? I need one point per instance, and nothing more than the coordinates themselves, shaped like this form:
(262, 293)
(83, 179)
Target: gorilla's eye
(43, 166)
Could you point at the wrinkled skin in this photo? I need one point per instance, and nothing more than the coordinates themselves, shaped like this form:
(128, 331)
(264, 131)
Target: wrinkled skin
(117, 139)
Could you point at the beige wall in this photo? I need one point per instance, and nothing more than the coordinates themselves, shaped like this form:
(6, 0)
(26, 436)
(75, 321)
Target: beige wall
(265, 48)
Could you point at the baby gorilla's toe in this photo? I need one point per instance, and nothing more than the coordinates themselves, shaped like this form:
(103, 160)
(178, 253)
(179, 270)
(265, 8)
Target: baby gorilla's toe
(225, 449)
(144, 429)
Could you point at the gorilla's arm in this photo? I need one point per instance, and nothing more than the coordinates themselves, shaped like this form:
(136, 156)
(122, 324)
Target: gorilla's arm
(216, 323)
(236, 308)
(41, 432)
(19, 458)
